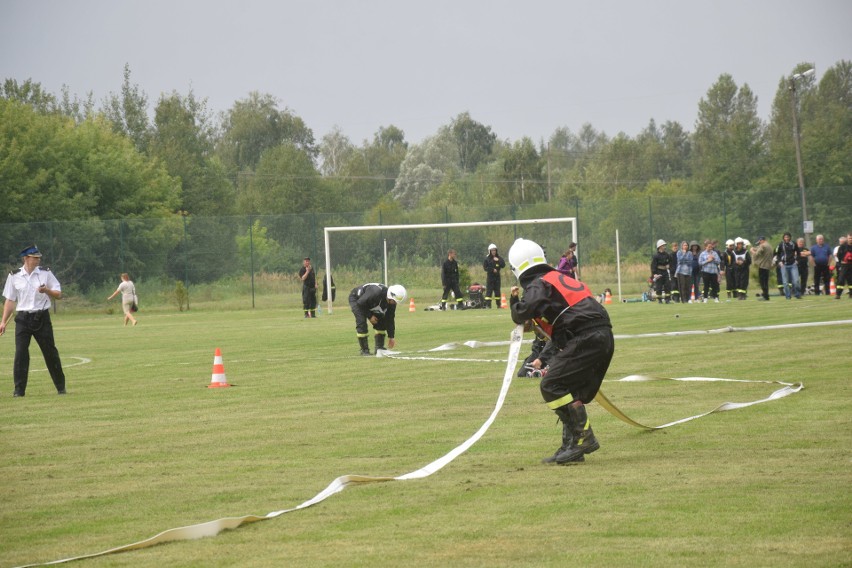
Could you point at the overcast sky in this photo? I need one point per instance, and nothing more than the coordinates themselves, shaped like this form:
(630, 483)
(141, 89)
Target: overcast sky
(524, 67)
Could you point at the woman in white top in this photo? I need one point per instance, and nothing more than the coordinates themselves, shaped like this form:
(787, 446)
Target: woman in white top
(128, 297)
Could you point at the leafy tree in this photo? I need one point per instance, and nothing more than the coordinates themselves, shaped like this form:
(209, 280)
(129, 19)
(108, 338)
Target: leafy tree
(29, 93)
(424, 167)
(285, 182)
(183, 139)
(128, 112)
(385, 155)
(52, 168)
(728, 151)
(676, 152)
(254, 125)
(826, 125)
(334, 150)
(368, 173)
(475, 141)
(522, 169)
(256, 248)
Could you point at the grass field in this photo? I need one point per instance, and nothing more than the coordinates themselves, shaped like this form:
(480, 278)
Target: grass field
(140, 445)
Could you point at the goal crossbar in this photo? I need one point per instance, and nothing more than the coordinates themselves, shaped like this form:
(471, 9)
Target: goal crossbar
(328, 230)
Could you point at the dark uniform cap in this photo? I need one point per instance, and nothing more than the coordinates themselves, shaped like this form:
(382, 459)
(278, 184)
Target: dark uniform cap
(30, 251)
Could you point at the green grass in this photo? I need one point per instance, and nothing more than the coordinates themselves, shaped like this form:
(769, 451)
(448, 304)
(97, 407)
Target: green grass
(140, 445)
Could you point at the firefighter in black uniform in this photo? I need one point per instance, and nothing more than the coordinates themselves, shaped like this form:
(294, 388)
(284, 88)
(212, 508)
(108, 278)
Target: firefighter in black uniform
(728, 267)
(376, 303)
(581, 334)
(450, 280)
(742, 262)
(309, 288)
(660, 272)
(493, 264)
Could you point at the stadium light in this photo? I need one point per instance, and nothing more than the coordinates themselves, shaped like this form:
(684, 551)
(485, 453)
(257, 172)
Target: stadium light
(797, 140)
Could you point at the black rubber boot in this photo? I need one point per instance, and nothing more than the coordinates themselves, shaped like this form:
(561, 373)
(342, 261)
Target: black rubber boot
(566, 439)
(380, 341)
(365, 346)
(583, 439)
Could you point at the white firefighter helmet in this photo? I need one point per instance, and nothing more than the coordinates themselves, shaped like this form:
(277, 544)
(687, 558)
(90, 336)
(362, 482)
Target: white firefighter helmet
(661, 243)
(729, 242)
(491, 247)
(739, 240)
(397, 293)
(525, 254)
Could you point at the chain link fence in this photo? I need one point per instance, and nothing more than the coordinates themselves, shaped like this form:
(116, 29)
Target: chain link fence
(88, 255)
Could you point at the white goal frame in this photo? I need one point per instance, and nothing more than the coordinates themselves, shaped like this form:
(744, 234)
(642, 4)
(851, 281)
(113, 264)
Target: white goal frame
(328, 230)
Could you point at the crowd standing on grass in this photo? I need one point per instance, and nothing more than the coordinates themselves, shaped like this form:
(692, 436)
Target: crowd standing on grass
(678, 275)
(129, 300)
(29, 293)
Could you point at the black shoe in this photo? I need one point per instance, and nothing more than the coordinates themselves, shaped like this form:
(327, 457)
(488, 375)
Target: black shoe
(17, 394)
(61, 392)
(365, 352)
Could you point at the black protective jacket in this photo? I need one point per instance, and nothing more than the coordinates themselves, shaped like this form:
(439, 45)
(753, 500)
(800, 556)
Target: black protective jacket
(450, 273)
(548, 306)
(372, 300)
(493, 267)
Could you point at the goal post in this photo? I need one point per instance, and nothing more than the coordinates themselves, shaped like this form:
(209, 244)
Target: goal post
(328, 230)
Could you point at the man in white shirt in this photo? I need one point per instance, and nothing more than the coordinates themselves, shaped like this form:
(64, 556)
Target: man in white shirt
(29, 291)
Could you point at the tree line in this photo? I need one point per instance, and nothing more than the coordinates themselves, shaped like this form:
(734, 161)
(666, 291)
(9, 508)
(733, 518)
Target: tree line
(119, 181)
(64, 158)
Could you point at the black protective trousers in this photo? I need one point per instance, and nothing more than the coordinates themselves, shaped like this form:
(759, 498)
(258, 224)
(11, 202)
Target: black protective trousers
(579, 367)
(36, 325)
(492, 290)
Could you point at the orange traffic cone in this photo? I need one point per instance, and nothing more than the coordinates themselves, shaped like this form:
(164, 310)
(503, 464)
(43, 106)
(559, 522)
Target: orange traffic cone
(608, 298)
(411, 307)
(218, 379)
(503, 303)
(692, 296)
(832, 288)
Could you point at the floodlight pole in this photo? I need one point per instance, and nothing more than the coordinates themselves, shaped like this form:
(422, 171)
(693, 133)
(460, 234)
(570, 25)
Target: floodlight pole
(797, 140)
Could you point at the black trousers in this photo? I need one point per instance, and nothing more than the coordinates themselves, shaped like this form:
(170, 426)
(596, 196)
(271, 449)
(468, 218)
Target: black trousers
(309, 299)
(361, 320)
(822, 275)
(763, 278)
(454, 288)
(36, 325)
(578, 368)
(492, 290)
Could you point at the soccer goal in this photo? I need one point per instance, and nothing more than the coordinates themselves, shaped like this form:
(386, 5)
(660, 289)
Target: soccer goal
(329, 230)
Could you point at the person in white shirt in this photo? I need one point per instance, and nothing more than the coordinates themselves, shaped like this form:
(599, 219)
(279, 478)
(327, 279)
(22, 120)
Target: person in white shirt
(29, 292)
